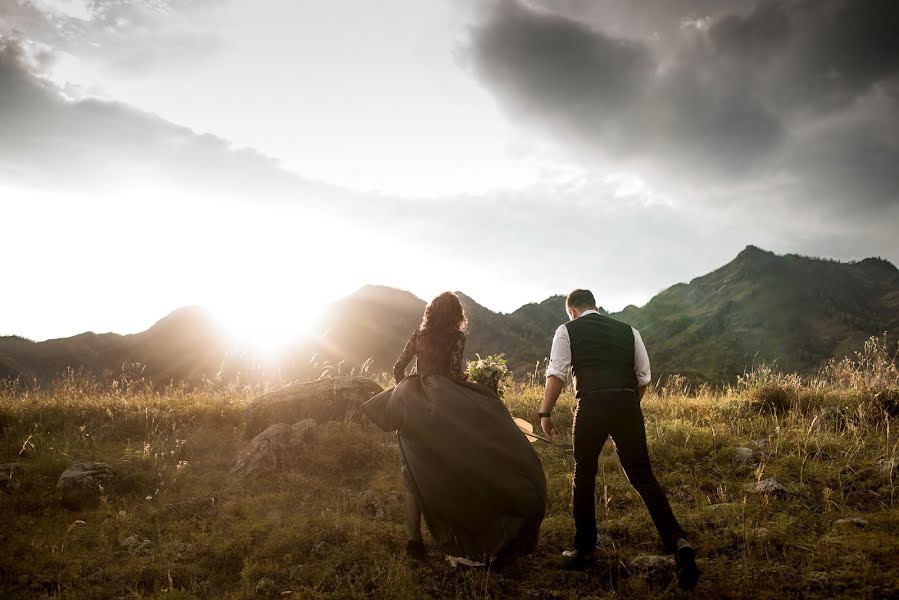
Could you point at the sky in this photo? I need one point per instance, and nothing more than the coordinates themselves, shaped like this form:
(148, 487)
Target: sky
(262, 159)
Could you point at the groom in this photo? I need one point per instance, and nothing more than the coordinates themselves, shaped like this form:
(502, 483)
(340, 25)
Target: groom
(611, 373)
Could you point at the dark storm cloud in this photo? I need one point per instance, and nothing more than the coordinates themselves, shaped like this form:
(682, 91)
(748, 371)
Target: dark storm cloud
(601, 73)
(50, 141)
(609, 93)
(706, 93)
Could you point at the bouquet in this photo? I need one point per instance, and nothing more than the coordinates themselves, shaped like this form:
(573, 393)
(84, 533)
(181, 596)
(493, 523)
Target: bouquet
(491, 372)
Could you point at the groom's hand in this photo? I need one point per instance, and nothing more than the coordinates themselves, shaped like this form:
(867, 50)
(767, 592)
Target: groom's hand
(549, 427)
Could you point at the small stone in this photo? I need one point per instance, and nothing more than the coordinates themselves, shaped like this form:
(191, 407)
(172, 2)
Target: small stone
(294, 572)
(857, 522)
(266, 587)
(371, 505)
(181, 549)
(11, 476)
(744, 458)
(653, 567)
(81, 485)
(96, 577)
(768, 486)
(134, 544)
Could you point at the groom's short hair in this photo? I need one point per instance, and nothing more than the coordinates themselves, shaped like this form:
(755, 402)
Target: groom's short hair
(580, 299)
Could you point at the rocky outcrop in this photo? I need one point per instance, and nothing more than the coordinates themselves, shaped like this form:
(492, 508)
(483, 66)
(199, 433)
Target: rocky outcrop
(330, 399)
(81, 485)
(276, 448)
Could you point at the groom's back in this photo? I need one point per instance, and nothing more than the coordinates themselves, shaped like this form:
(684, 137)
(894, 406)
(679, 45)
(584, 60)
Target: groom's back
(602, 354)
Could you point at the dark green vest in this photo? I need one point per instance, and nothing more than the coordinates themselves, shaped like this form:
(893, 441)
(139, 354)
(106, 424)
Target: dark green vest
(602, 354)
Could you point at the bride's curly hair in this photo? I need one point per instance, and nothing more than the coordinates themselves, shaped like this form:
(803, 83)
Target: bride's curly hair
(443, 317)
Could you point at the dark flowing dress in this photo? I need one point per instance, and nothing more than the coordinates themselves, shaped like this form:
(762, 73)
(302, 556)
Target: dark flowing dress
(478, 481)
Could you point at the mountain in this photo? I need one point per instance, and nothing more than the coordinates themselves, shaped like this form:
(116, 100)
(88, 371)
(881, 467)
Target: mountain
(794, 310)
(185, 345)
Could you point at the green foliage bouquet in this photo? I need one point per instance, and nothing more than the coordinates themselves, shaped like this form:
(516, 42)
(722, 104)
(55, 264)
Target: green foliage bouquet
(491, 372)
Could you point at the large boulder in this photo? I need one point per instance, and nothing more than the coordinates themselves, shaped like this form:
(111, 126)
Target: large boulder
(81, 485)
(276, 448)
(330, 399)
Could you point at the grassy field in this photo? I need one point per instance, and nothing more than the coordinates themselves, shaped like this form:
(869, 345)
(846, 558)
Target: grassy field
(174, 524)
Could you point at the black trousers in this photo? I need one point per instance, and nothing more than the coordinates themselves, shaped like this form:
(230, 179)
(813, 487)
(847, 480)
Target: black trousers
(616, 414)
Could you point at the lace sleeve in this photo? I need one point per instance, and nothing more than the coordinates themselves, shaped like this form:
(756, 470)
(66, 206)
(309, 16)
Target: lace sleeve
(458, 353)
(399, 368)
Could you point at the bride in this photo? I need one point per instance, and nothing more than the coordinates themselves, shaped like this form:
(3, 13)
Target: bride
(467, 467)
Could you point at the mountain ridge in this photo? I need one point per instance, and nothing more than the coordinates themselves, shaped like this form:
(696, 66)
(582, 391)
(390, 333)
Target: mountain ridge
(795, 310)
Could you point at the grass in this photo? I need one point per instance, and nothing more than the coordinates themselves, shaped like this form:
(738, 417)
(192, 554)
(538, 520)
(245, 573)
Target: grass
(333, 527)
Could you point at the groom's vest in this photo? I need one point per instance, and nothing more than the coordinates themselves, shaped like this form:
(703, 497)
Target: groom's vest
(602, 354)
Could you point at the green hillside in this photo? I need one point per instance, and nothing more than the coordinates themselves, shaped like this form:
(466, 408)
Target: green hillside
(761, 307)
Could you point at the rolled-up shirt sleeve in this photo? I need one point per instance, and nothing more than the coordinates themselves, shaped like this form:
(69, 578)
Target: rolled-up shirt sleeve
(641, 361)
(560, 355)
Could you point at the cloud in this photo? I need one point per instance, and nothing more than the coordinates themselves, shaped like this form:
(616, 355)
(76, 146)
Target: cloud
(132, 35)
(726, 95)
(52, 142)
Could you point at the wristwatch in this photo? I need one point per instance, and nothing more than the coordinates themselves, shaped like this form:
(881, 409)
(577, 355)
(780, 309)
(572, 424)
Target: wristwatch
(544, 414)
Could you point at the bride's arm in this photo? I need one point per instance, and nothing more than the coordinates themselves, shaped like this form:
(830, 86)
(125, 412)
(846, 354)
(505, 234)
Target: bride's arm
(399, 368)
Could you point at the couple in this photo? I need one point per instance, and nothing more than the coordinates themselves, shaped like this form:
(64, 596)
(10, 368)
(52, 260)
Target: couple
(471, 473)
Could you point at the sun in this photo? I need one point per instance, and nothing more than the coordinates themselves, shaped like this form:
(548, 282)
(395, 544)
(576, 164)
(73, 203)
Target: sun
(267, 329)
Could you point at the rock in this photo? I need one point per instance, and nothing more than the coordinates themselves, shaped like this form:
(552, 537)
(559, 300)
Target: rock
(330, 399)
(11, 476)
(135, 545)
(768, 486)
(276, 448)
(653, 568)
(81, 485)
(266, 587)
(834, 416)
(857, 522)
(295, 572)
(744, 458)
(372, 506)
(96, 577)
(182, 550)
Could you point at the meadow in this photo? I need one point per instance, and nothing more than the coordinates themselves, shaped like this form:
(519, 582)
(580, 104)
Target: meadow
(173, 523)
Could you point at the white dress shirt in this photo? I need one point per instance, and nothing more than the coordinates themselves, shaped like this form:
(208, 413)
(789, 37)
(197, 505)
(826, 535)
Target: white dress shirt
(560, 355)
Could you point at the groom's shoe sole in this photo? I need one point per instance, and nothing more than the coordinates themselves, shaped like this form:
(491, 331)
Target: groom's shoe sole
(687, 571)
